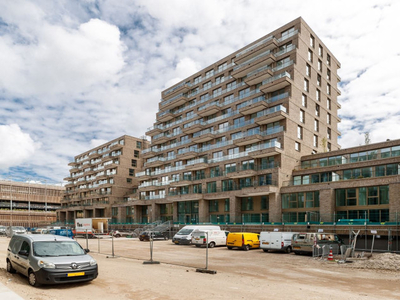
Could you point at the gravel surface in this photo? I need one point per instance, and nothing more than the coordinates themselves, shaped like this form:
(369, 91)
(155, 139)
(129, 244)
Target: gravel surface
(239, 274)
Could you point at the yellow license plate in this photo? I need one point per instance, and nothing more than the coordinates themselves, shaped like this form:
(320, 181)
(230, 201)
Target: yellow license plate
(265, 243)
(75, 274)
(296, 247)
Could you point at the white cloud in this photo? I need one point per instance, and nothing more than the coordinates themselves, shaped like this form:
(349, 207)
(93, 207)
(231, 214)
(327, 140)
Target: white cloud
(16, 146)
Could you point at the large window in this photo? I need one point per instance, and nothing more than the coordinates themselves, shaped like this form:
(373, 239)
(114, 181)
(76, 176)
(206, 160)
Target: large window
(363, 196)
(300, 200)
(247, 204)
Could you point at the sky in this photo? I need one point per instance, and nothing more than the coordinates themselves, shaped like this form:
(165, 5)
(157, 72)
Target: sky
(75, 74)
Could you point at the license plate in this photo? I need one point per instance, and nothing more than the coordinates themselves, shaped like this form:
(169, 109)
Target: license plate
(296, 247)
(197, 239)
(176, 242)
(265, 243)
(75, 274)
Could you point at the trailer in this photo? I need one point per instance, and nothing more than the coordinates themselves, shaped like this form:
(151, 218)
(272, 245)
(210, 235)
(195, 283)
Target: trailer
(91, 226)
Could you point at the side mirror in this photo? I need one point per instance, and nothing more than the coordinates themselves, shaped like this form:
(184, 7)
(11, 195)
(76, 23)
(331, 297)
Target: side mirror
(86, 250)
(23, 253)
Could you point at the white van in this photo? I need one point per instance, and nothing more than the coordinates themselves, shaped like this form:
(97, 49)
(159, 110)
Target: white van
(211, 237)
(276, 240)
(184, 236)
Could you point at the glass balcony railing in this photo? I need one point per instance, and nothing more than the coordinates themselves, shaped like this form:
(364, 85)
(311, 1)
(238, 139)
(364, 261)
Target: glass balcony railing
(266, 40)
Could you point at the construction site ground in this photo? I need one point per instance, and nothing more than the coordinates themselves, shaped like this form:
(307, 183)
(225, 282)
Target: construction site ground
(239, 274)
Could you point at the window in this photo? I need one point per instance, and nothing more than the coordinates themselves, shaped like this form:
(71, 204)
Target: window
(328, 74)
(226, 206)
(304, 100)
(244, 93)
(302, 116)
(328, 133)
(134, 163)
(299, 132)
(312, 41)
(129, 180)
(247, 203)
(318, 95)
(328, 89)
(306, 85)
(138, 145)
(319, 80)
(233, 151)
(131, 172)
(328, 103)
(316, 125)
(319, 65)
(328, 59)
(231, 86)
(329, 147)
(215, 172)
(230, 168)
(328, 118)
(222, 67)
(310, 56)
(320, 51)
(210, 73)
(207, 85)
(297, 146)
(211, 187)
(197, 80)
(317, 110)
(219, 79)
(217, 92)
(213, 206)
(308, 70)
(315, 141)
(217, 154)
(135, 153)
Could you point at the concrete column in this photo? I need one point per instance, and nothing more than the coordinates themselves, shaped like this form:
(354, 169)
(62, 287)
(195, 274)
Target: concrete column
(394, 202)
(137, 214)
(327, 205)
(203, 211)
(175, 212)
(235, 209)
(155, 212)
(275, 207)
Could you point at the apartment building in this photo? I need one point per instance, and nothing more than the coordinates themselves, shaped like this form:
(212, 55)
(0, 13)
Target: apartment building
(356, 183)
(102, 181)
(29, 204)
(227, 138)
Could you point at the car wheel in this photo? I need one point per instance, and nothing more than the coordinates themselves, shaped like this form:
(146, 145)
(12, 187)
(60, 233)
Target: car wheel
(288, 249)
(246, 247)
(166, 238)
(118, 235)
(230, 248)
(32, 279)
(10, 268)
(211, 245)
(265, 250)
(198, 246)
(296, 252)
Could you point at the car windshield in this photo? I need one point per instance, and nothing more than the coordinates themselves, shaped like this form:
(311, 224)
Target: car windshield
(18, 228)
(184, 231)
(53, 248)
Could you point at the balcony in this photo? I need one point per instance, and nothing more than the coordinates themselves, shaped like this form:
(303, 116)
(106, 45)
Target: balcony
(150, 152)
(174, 102)
(268, 43)
(180, 183)
(271, 115)
(209, 109)
(276, 83)
(155, 162)
(183, 87)
(249, 137)
(187, 154)
(203, 136)
(179, 196)
(242, 173)
(262, 60)
(156, 129)
(254, 106)
(165, 116)
(258, 189)
(265, 150)
(193, 126)
(197, 164)
(258, 75)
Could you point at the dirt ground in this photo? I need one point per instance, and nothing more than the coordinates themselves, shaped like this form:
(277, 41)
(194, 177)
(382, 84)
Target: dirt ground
(240, 274)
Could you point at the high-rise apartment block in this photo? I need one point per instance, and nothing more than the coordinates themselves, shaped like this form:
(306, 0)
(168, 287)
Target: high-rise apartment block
(102, 181)
(227, 138)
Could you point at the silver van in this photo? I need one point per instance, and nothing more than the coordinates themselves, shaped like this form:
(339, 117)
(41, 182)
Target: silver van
(49, 259)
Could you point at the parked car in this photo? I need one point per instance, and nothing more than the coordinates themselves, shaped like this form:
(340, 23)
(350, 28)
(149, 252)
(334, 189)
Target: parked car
(156, 235)
(184, 236)
(243, 240)
(2, 230)
(49, 259)
(11, 230)
(280, 241)
(211, 237)
(304, 243)
(40, 231)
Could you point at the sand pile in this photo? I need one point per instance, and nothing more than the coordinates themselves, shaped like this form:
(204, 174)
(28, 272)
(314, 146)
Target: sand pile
(382, 261)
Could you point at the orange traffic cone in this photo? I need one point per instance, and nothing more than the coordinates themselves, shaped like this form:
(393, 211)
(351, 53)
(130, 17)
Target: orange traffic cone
(330, 256)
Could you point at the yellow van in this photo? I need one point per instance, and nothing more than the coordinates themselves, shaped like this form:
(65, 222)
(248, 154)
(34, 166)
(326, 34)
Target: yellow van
(243, 240)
